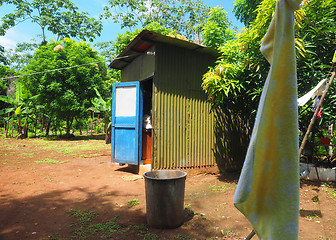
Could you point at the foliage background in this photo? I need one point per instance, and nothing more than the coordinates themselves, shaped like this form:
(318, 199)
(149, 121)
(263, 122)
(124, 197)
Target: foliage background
(236, 82)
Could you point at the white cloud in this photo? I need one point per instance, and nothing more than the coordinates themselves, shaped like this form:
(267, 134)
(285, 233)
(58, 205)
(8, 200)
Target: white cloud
(11, 38)
(7, 43)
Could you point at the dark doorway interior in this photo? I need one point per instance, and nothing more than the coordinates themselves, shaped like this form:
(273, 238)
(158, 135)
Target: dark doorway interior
(147, 91)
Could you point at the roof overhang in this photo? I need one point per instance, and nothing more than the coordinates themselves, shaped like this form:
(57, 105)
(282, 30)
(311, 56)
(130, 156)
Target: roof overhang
(146, 39)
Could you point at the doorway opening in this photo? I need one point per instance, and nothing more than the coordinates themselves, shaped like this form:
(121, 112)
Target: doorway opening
(147, 93)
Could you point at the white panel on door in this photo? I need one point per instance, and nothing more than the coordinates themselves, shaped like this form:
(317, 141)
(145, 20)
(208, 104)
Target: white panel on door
(125, 101)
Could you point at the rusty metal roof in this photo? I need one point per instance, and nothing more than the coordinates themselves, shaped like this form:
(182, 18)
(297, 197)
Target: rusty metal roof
(146, 39)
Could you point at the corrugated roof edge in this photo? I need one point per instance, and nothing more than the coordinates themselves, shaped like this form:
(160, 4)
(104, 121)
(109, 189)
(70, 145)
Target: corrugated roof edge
(136, 47)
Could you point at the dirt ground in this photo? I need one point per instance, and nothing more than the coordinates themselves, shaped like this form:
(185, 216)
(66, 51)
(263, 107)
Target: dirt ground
(69, 189)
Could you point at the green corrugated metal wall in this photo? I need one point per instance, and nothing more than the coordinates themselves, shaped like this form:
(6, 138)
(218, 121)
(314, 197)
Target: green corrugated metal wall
(183, 126)
(141, 68)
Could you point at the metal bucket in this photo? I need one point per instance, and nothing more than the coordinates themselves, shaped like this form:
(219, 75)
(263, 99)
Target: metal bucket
(165, 198)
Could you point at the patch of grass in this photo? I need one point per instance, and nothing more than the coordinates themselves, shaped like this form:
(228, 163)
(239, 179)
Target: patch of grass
(52, 238)
(106, 228)
(90, 155)
(51, 179)
(315, 199)
(86, 226)
(330, 190)
(182, 237)
(189, 211)
(84, 216)
(142, 227)
(312, 218)
(187, 206)
(30, 155)
(14, 183)
(50, 161)
(227, 232)
(149, 236)
(73, 148)
(9, 146)
(133, 202)
(220, 188)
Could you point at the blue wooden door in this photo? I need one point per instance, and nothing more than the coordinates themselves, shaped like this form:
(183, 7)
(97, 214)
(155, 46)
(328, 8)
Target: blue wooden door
(126, 123)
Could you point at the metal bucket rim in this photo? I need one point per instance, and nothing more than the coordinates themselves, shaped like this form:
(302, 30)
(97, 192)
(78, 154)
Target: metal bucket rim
(184, 175)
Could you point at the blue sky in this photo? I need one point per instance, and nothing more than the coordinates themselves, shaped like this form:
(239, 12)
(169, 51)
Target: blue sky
(26, 31)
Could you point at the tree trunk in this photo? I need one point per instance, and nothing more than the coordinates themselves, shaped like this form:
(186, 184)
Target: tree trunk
(42, 122)
(98, 124)
(25, 129)
(107, 135)
(92, 122)
(35, 124)
(80, 129)
(19, 131)
(47, 128)
(68, 127)
(43, 36)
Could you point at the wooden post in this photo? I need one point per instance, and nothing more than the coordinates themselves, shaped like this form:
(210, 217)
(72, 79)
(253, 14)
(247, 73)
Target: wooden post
(311, 124)
(250, 235)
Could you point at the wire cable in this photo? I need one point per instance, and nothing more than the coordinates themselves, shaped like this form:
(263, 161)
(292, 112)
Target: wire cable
(64, 68)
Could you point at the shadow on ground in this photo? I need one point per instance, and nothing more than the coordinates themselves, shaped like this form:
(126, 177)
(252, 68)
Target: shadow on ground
(47, 216)
(72, 137)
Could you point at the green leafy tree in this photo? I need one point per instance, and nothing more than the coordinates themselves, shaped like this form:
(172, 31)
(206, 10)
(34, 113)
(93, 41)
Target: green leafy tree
(21, 55)
(111, 49)
(4, 72)
(4, 83)
(3, 60)
(237, 80)
(61, 17)
(245, 10)
(216, 30)
(66, 93)
(185, 16)
(103, 107)
(19, 107)
(123, 40)
(316, 63)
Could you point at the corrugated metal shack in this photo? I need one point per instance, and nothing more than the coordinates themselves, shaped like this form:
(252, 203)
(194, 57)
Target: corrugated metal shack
(170, 70)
